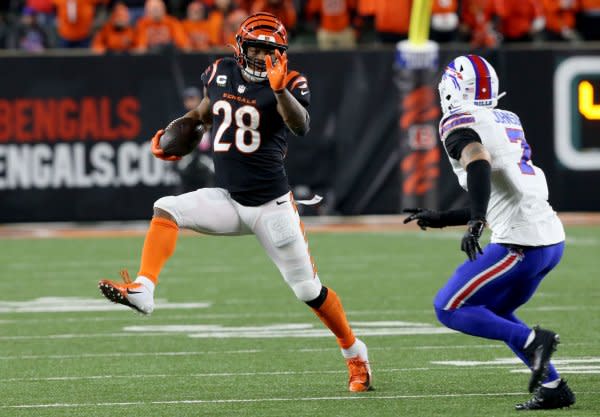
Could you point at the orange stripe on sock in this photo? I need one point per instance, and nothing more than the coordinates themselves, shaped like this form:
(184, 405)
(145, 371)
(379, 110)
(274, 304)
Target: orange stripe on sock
(332, 314)
(159, 245)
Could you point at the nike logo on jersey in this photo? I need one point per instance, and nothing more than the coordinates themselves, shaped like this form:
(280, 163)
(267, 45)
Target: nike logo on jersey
(133, 292)
(304, 92)
(281, 202)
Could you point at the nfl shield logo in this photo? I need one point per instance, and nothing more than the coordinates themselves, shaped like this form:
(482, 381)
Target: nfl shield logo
(241, 89)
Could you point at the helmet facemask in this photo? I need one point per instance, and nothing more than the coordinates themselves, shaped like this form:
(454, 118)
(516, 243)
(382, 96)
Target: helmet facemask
(255, 68)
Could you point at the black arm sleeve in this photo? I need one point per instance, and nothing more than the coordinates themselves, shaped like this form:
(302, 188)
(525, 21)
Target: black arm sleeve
(458, 139)
(479, 175)
(458, 217)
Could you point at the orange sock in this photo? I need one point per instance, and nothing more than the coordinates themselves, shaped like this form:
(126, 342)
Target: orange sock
(158, 247)
(332, 314)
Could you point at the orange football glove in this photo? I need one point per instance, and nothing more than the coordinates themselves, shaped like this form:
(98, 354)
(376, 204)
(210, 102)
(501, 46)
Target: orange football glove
(277, 72)
(157, 151)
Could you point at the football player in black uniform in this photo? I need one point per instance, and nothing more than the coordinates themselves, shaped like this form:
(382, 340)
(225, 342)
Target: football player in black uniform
(250, 102)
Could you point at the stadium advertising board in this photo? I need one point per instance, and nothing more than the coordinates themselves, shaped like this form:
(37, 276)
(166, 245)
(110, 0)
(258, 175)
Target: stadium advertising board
(74, 130)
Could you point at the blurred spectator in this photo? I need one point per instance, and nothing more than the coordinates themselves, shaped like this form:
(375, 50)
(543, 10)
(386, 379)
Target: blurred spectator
(283, 9)
(589, 23)
(135, 7)
(476, 23)
(44, 11)
(366, 11)
(366, 7)
(232, 24)
(28, 35)
(74, 22)
(156, 30)
(197, 169)
(197, 27)
(391, 20)
(225, 20)
(335, 29)
(444, 20)
(246, 5)
(520, 20)
(117, 35)
(560, 20)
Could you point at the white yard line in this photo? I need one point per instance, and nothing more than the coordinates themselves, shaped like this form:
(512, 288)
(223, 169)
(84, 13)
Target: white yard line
(204, 375)
(240, 351)
(349, 397)
(249, 351)
(131, 354)
(265, 314)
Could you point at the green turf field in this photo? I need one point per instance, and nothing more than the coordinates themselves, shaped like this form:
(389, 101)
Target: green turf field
(243, 350)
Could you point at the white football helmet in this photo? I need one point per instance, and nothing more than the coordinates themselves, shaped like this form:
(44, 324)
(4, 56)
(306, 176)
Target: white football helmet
(468, 82)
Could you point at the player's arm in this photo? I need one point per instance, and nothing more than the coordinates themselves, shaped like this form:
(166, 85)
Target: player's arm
(294, 114)
(202, 113)
(465, 146)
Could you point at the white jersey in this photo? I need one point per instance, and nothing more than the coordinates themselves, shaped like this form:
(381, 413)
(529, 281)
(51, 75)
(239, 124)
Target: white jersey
(518, 211)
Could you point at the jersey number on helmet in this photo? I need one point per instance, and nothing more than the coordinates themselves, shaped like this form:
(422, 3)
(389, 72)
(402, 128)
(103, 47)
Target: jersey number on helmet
(246, 118)
(516, 136)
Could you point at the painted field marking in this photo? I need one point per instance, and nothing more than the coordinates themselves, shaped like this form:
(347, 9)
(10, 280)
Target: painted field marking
(591, 369)
(565, 365)
(578, 369)
(512, 361)
(79, 304)
(202, 375)
(240, 351)
(362, 328)
(267, 400)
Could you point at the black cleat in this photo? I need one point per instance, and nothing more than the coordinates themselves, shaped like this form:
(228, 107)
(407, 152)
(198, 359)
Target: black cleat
(538, 353)
(549, 398)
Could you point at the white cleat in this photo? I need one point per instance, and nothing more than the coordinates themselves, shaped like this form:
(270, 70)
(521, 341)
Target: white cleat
(138, 295)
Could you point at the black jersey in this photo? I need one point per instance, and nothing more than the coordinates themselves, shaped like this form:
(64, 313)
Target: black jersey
(249, 136)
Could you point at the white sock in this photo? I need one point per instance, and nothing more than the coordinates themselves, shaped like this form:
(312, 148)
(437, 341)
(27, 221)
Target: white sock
(552, 384)
(358, 348)
(146, 282)
(529, 339)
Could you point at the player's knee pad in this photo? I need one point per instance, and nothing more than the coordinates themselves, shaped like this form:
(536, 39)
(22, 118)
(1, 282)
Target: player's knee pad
(168, 204)
(307, 290)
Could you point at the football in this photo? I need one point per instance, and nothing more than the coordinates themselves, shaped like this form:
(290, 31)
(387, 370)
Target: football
(181, 137)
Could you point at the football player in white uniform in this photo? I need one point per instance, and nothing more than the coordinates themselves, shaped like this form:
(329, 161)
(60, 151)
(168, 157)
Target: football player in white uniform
(492, 160)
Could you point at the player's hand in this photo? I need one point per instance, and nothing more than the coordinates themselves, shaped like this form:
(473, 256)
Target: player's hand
(425, 218)
(157, 151)
(470, 240)
(277, 72)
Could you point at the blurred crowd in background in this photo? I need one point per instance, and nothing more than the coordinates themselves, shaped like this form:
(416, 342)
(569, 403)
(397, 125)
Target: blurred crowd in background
(140, 26)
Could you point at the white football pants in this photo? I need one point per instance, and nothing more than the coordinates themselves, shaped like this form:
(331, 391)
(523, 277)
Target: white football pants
(276, 224)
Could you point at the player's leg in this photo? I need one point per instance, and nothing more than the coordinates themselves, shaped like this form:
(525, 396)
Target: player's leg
(540, 343)
(554, 391)
(476, 299)
(461, 306)
(208, 210)
(280, 231)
